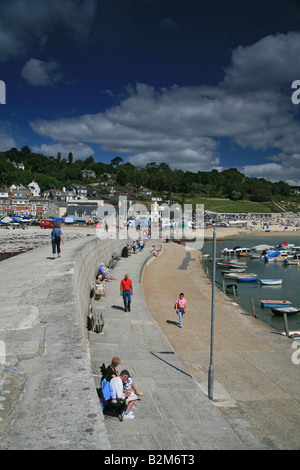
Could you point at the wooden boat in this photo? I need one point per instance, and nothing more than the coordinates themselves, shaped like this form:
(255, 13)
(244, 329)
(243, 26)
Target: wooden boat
(276, 303)
(287, 310)
(231, 275)
(295, 333)
(232, 265)
(235, 262)
(292, 261)
(271, 282)
(237, 266)
(234, 270)
(247, 277)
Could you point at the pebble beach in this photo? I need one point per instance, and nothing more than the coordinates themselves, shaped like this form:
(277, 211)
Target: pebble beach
(18, 240)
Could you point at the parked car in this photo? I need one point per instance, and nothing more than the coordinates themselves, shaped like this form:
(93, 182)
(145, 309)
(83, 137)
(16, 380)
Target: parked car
(45, 223)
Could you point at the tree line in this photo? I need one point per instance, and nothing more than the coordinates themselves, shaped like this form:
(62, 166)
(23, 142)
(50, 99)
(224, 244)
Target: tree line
(57, 172)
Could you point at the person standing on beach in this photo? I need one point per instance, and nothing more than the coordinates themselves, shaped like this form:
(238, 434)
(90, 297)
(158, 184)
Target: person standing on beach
(56, 238)
(126, 291)
(181, 307)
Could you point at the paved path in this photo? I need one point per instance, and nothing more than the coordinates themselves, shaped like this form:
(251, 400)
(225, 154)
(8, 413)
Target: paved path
(174, 413)
(256, 385)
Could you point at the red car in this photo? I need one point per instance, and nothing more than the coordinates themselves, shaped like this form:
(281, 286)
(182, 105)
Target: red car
(45, 223)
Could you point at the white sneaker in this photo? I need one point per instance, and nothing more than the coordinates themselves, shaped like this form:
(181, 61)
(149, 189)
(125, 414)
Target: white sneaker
(128, 416)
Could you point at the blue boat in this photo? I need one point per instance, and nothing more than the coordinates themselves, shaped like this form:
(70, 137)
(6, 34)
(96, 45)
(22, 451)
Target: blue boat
(276, 303)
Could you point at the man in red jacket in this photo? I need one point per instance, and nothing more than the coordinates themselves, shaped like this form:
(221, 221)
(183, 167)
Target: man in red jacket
(126, 291)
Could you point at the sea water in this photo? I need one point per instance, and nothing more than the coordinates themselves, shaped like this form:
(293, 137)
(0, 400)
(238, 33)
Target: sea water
(290, 275)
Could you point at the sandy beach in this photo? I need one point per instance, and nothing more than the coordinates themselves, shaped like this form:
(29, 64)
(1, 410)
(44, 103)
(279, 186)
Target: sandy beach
(229, 232)
(253, 373)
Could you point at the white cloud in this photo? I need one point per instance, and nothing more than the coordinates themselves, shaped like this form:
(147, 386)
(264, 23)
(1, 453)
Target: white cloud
(269, 63)
(183, 126)
(79, 150)
(285, 167)
(6, 141)
(36, 72)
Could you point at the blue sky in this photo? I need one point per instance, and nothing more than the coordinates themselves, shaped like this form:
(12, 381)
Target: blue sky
(196, 84)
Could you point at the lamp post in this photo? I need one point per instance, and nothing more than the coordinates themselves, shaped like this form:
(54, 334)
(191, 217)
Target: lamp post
(211, 366)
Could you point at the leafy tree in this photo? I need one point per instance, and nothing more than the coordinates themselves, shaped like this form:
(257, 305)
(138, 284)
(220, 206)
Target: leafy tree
(116, 161)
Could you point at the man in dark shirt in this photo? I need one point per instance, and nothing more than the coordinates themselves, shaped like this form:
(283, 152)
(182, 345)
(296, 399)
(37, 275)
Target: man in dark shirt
(126, 291)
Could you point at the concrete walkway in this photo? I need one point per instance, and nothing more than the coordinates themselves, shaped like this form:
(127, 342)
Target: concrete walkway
(174, 413)
(49, 378)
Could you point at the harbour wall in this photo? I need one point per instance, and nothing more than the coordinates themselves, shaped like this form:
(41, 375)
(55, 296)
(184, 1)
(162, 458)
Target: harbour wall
(47, 393)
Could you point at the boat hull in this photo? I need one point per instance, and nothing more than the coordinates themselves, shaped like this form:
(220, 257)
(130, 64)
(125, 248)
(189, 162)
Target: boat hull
(275, 303)
(271, 282)
(287, 310)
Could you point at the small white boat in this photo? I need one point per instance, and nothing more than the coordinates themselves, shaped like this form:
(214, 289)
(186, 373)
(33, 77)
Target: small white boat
(292, 261)
(271, 282)
(236, 250)
(234, 270)
(255, 256)
(247, 277)
(287, 310)
(294, 333)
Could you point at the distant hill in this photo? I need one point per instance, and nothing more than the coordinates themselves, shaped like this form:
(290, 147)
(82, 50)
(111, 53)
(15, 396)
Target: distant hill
(159, 178)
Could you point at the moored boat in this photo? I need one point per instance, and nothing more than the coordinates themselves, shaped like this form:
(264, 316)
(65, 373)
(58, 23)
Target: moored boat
(287, 310)
(271, 282)
(276, 303)
(233, 265)
(237, 250)
(294, 333)
(247, 277)
(234, 270)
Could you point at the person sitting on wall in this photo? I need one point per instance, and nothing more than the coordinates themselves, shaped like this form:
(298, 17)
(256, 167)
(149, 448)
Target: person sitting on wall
(104, 272)
(118, 392)
(101, 286)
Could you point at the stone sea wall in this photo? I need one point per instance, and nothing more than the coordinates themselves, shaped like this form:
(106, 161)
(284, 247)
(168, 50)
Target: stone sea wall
(48, 398)
(87, 262)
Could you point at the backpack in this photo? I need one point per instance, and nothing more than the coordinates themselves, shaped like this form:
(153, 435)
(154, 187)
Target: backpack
(56, 237)
(103, 369)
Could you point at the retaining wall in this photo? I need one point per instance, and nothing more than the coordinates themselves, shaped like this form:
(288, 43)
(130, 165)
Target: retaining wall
(87, 262)
(47, 392)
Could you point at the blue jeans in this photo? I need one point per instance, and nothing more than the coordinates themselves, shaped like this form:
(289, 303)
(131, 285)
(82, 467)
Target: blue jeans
(180, 316)
(127, 299)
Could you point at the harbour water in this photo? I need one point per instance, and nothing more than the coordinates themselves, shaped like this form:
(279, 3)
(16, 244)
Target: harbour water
(290, 275)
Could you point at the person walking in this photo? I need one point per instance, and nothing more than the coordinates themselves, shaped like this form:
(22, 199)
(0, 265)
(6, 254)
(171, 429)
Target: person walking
(126, 291)
(56, 239)
(181, 307)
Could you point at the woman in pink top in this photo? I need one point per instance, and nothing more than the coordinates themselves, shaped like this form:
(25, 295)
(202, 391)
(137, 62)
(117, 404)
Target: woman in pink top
(181, 306)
